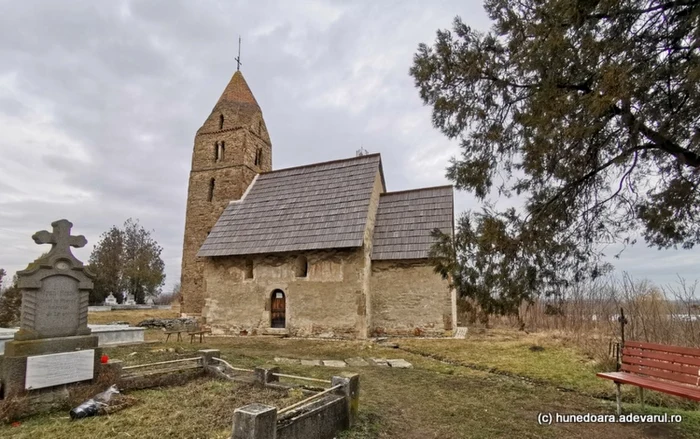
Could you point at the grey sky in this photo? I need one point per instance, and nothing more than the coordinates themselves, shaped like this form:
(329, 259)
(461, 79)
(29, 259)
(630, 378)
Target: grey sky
(100, 101)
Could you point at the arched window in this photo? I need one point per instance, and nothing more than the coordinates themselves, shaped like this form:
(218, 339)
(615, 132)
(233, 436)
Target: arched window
(212, 183)
(258, 157)
(223, 150)
(302, 267)
(216, 151)
(221, 121)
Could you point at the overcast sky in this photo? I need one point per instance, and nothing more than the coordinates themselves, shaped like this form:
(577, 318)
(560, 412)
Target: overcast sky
(100, 101)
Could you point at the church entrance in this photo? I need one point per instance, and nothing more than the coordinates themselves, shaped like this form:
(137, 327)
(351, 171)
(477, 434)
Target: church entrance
(277, 310)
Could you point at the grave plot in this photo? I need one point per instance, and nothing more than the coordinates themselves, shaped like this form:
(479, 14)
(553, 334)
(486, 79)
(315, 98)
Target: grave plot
(55, 358)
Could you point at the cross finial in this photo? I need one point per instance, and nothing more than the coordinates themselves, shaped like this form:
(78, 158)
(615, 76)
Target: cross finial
(238, 58)
(60, 239)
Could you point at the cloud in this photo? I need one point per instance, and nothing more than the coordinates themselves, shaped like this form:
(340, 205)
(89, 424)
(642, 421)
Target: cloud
(100, 101)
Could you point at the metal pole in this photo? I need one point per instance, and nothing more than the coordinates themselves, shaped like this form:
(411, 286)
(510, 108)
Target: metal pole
(282, 375)
(302, 402)
(161, 362)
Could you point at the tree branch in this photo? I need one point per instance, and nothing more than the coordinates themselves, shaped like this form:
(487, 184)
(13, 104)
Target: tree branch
(684, 156)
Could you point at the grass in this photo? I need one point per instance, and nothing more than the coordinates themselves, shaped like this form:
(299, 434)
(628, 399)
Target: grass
(451, 392)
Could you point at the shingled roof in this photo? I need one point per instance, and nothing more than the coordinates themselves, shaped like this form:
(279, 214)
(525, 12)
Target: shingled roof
(319, 206)
(405, 220)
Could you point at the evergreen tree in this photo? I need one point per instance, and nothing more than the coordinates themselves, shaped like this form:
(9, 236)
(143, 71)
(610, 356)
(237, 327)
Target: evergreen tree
(589, 112)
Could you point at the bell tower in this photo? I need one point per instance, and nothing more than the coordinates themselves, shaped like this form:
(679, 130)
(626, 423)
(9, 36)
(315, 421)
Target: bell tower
(230, 149)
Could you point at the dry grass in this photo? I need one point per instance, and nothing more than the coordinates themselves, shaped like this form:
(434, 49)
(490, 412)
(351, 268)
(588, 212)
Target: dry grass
(491, 385)
(433, 400)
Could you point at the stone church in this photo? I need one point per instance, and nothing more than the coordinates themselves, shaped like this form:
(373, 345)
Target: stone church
(315, 250)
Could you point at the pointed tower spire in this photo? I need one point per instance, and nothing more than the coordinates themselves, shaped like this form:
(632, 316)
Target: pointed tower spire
(237, 91)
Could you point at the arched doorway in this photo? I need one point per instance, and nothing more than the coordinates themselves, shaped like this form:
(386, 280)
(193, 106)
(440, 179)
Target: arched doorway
(277, 310)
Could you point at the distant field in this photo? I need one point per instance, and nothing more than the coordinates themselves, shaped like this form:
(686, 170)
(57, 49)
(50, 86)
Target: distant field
(488, 386)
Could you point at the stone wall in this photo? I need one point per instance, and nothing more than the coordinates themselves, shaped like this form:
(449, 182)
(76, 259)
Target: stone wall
(409, 298)
(325, 303)
(244, 133)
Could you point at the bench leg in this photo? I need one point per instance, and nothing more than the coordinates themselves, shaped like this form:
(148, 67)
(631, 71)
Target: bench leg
(167, 337)
(641, 396)
(619, 406)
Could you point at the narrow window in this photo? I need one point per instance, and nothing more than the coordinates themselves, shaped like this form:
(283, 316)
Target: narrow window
(216, 151)
(221, 121)
(260, 157)
(223, 150)
(212, 182)
(249, 269)
(302, 267)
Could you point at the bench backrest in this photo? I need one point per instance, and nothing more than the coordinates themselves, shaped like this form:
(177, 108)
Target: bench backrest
(670, 363)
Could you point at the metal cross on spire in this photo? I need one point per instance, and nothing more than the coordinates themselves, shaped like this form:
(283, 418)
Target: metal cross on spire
(238, 58)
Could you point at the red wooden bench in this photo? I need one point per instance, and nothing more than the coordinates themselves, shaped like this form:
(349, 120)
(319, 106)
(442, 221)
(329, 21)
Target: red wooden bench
(673, 370)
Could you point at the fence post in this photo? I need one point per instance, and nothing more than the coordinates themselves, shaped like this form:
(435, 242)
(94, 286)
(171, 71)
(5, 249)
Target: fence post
(264, 375)
(208, 355)
(351, 391)
(255, 421)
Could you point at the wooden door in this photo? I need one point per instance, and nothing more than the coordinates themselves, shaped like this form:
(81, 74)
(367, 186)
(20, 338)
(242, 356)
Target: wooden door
(277, 310)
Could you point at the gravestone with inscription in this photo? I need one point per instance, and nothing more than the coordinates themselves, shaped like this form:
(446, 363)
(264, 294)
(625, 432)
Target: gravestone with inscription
(54, 345)
(111, 300)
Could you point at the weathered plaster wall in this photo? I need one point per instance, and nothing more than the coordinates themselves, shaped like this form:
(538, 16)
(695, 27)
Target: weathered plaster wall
(408, 298)
(323, 303)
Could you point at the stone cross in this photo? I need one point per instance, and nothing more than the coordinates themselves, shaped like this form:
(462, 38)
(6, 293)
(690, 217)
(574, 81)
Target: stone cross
(55, 288)
(61, 240)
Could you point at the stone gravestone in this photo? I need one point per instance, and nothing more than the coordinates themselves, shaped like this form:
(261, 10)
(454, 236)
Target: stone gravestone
(110, 300)
(54, 345)
(130, 300)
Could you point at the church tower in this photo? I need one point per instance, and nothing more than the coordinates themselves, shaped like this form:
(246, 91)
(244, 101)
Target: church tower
(230, 149)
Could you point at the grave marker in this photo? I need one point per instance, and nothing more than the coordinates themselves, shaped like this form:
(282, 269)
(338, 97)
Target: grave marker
(54, 345)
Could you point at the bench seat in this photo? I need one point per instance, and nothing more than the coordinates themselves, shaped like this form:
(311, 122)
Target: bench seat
(653, 384)
(674, 370)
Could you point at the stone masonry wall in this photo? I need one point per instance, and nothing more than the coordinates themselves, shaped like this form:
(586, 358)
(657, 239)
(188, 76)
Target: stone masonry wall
(323, 303)
(243, 135)
(409, 298)
(364, 306)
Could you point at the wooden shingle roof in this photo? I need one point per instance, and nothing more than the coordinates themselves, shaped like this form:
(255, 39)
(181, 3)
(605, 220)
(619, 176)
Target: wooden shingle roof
(406, 219)
(319, 206)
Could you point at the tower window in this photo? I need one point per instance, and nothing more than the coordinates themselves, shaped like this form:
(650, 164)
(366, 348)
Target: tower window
(249, 269)
(223, 150)
(302, 267)
(216, 151)
(212, 182)
(221, 121)
(258, 157)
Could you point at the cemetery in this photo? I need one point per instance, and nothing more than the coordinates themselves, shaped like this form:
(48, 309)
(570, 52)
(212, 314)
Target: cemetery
(276, 387)
(55, 349)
